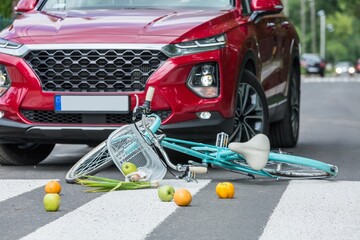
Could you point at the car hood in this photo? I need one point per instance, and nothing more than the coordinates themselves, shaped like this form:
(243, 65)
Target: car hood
(120, 26)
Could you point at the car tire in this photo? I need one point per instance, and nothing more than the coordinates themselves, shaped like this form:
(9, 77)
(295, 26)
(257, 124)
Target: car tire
(251, 109)
(285, 133)
(24, 154)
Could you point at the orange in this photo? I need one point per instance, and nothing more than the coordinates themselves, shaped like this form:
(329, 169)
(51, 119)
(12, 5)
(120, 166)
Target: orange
(182, 197)
(225, 190)
(53, 187)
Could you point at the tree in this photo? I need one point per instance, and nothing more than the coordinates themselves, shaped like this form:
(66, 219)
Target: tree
(6, 7)
(352, 6)
(343, 43)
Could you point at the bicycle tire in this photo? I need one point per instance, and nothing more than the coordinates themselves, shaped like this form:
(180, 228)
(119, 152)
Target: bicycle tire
(93, 162)
(296, 167)
(99, 158)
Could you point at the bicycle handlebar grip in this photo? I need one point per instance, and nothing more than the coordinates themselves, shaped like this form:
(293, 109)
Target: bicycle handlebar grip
(199, 170)
(150, 94)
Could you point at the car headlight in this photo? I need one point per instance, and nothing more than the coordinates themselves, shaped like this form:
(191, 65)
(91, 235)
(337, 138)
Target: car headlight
(8, 44)
(196, 46)
(204, 80)
(4, 80)
(351, 70)
(11, 48)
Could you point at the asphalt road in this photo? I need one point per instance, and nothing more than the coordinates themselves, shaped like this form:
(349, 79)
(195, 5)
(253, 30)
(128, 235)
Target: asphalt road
(261, 209)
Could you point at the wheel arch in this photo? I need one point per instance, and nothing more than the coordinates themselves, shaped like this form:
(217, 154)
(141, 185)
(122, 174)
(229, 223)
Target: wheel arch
(295, 57)
(249, 63)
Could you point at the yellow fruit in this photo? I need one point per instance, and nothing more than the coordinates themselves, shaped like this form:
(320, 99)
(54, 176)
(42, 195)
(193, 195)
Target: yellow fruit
(225, 190)
(53, 187)
(182, 197)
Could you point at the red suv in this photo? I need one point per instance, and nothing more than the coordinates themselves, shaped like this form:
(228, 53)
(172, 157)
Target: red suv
(70, 70)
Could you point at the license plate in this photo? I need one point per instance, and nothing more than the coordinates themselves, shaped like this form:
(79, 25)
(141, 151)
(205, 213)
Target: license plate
(91, 104)
(313, 69)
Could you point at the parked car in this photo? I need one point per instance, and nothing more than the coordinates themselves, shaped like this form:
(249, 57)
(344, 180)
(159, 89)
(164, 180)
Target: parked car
(358, 66)
(344, 67)
(313, 64)
(70, 71)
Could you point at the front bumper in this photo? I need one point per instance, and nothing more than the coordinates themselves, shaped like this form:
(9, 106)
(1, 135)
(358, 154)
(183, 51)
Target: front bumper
(199, 130)
(14, 132)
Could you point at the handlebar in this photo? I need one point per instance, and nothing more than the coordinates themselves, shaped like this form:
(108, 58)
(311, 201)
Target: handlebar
(189, 171)
(145, 108)
(150, 94)
(148, 99)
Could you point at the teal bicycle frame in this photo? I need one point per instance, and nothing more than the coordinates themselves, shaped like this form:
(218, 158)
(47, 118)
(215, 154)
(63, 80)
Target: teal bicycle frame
(225, 158)
(115, 150)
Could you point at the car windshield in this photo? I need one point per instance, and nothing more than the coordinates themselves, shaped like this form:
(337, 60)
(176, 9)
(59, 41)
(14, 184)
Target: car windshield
(343, 64)
(311, 57)
(64, 5)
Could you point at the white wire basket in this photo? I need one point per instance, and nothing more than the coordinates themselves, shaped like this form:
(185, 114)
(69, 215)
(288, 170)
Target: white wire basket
(127, 145)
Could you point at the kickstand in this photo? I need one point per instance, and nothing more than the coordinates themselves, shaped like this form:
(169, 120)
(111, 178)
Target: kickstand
(251, 175)
(188, 176)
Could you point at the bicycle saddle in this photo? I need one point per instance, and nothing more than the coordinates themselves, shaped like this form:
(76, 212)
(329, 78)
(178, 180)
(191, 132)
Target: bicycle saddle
(255, 151)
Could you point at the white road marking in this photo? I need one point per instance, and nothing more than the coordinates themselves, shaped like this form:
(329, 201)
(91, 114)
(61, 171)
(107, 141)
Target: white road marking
(116, 215)
(316, 210)
(11, 188)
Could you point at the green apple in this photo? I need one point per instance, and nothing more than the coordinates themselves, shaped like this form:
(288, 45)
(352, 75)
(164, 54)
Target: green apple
(166, 193)
(52, 202)
(128, 168)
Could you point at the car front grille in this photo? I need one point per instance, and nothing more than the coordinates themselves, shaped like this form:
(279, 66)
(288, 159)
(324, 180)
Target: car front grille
(51, 117)
(101, 70)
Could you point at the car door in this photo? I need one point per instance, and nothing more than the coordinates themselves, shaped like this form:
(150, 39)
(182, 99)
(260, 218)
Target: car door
(265, 33)
(282, 56)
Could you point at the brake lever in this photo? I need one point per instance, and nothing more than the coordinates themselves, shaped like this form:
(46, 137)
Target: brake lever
(136, 108)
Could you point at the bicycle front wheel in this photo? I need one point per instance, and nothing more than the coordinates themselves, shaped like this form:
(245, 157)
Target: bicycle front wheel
(93, 162)
(295, 167)
(99, 157)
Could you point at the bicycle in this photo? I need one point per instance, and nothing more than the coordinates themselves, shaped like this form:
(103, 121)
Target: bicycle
(140, 144)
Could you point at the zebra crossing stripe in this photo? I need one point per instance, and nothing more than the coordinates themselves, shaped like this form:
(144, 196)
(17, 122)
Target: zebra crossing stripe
(316, 210)
(11, 188)
(115, 215)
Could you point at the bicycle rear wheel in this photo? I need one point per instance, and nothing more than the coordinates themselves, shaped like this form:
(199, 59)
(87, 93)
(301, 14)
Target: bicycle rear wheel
(295, 167)
(99, 157)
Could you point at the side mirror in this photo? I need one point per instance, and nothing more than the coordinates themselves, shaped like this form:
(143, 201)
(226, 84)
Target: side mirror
(270, 6)
(25, 6)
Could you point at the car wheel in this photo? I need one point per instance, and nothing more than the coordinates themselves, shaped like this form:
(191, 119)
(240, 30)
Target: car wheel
(251, 110)
(285, 133)
(24, 154)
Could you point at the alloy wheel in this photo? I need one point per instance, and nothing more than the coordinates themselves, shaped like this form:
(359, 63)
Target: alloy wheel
(249, 115)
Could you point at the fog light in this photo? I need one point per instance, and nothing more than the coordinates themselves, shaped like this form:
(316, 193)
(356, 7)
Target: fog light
(2, 113)
(204, 115)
